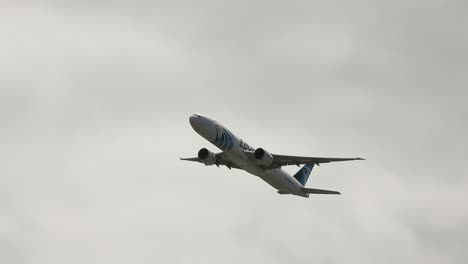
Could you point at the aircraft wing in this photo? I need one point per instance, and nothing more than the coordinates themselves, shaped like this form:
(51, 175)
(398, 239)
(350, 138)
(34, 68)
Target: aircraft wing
(283, 160)
(221, 159)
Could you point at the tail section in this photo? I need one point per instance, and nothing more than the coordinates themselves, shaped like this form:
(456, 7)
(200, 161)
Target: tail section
(303, 174)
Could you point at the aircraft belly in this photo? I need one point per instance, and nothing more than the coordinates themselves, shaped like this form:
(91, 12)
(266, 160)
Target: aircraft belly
(277, 178)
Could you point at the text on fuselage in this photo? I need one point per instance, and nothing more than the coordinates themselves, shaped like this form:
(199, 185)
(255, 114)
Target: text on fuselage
(245, 146)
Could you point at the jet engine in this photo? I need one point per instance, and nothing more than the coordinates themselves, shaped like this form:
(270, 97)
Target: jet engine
(263, 157)
(207, 157)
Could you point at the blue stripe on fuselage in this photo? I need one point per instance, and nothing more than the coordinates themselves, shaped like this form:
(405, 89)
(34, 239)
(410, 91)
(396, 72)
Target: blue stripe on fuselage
(225, 141)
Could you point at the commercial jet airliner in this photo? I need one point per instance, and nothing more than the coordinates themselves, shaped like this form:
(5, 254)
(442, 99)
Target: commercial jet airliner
(236, 153)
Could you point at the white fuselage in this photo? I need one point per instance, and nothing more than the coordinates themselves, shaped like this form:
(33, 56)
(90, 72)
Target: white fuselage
(235, 149)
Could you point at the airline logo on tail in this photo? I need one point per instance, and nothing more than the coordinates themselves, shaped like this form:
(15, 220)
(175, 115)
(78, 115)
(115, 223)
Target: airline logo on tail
(303, 174)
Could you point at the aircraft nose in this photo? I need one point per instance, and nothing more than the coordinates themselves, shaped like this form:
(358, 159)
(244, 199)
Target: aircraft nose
(203, 126)
(195, 120)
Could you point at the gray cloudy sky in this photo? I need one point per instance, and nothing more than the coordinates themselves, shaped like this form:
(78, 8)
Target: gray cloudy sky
(94, 105)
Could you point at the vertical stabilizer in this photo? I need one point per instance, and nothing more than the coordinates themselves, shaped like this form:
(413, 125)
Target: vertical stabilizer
(303, 174)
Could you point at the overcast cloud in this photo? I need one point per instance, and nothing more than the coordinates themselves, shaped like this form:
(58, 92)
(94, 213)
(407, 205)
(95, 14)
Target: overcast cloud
(94, 104)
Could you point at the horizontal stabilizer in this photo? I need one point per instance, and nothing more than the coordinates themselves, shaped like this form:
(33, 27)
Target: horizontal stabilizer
(319, 191)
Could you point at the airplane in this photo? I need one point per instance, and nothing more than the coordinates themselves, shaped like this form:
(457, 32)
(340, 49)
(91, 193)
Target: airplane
(236, 153)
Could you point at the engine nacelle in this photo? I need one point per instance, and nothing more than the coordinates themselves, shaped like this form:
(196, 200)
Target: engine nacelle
(263, 157)
(207, 157)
